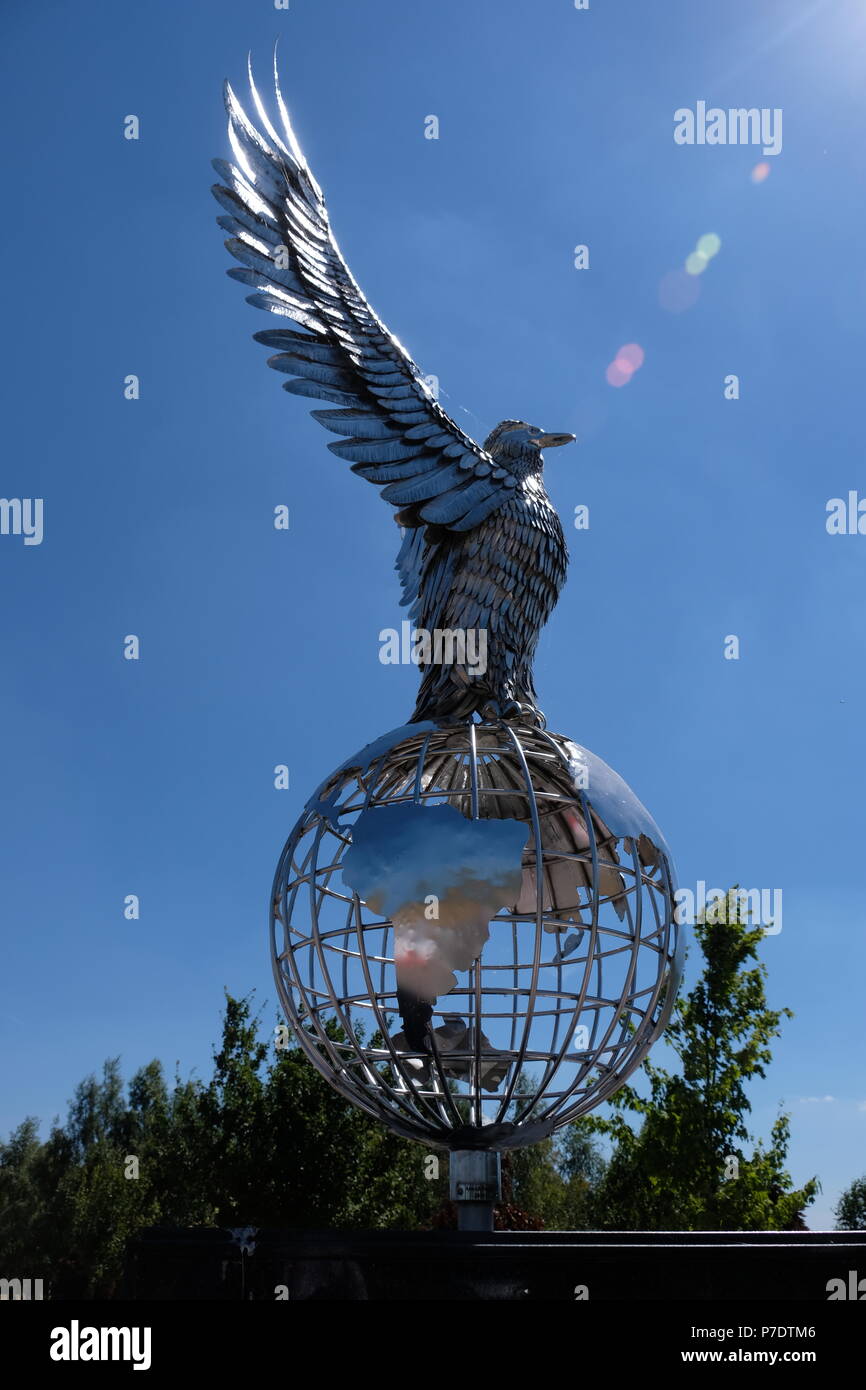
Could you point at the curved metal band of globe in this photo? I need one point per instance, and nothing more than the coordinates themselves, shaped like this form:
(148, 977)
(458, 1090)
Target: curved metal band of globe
(602, 898)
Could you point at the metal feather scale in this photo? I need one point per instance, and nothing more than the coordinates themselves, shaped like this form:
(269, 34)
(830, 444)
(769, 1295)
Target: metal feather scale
(483, 548)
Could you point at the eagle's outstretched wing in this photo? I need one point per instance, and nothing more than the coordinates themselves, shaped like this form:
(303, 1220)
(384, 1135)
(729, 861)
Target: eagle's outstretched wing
(395, 433)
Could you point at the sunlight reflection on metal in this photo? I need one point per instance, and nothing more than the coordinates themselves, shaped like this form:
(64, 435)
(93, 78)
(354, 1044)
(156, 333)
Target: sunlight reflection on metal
(573, 985)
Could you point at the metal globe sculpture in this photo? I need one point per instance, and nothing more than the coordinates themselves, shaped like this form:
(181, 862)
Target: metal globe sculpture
(473, 929)
(569, 990)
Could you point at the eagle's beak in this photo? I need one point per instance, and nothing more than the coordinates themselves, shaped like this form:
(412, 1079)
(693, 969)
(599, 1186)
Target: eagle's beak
(551, 441)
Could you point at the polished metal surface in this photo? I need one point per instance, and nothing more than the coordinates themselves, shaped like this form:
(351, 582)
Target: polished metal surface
(475, 1185)
(483, 548)
(496, 886)
(575, 981)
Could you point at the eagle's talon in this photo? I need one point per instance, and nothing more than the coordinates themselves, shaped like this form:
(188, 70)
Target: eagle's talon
(515, 711)
(492, 711)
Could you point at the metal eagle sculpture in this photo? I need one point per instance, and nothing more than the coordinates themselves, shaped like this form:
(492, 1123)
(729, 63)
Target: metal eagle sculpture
(483, 547)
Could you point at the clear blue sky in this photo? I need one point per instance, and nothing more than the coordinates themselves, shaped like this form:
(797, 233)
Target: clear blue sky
(259, 647)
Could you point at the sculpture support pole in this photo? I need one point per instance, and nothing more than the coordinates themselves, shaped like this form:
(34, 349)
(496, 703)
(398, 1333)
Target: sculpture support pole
(475, 1186)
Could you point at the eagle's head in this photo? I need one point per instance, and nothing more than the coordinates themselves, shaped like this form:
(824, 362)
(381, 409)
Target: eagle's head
(518, 446)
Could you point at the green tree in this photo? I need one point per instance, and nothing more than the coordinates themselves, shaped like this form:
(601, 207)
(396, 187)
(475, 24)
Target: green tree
(850, 1210)
(547, 1185)
(287, 1150)
(22, 1204)
(689, 1165)
(267, 1141)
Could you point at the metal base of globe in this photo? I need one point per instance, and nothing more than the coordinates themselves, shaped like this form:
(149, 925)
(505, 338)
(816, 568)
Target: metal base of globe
(475, 1181)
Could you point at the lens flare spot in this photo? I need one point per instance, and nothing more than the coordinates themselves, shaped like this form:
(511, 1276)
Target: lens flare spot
(630, 357)
(760, 172)
(709, 245)
(696, 263)
(619, 373)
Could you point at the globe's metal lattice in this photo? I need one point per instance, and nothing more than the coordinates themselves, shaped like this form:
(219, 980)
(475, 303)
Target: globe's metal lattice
(577, 978)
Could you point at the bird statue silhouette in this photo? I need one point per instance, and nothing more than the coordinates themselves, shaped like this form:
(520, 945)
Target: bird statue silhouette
(483, 549)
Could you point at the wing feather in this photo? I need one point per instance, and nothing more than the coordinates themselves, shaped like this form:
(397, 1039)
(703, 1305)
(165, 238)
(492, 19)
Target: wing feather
(361, 423)
(300, 386)
(376, 450)
(391, 472)
(399, 437)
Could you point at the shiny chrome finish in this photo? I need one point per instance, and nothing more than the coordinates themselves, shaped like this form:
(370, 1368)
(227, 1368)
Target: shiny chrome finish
(575, 982)
(483, 549)
(554, 441)
(475, 1185)
(542, 991)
